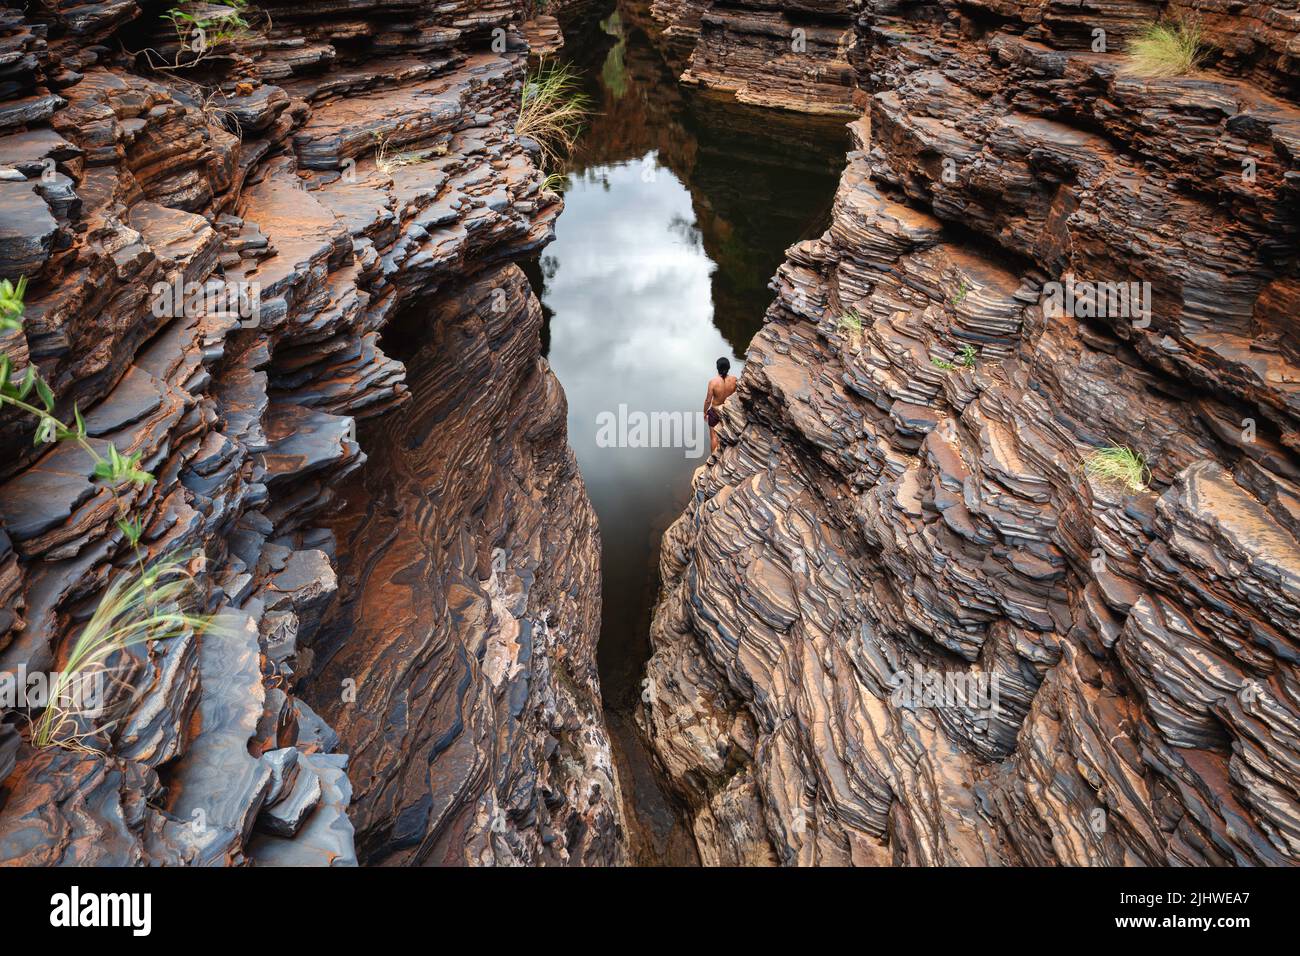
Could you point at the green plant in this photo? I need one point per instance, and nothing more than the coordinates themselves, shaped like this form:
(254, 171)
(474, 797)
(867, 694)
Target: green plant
(962, 291)
(114, 469)
(966, 358)
(1119, 465)
(11, 304)
(850, 323)
(205, 26)
(202, 29)
(551, 111)
(1172, 48)
(553, 181)
(143, 604)
(137, 607)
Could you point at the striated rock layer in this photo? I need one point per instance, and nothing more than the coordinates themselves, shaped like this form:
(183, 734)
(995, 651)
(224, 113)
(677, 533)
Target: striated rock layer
(791, 55)
(472, 599)
(902, 501)
(343, 161)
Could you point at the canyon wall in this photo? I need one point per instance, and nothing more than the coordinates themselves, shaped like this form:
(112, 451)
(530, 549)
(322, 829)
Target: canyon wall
(902, 621)
(789, 55)
(472, 607)
(350, 163)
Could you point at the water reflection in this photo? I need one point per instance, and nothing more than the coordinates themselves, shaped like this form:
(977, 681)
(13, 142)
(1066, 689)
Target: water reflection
(677, 213)
(678, 210)
(630, 289)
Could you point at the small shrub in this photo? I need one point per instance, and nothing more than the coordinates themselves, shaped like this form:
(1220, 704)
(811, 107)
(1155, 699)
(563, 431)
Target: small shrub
(202, 27)
(963, 290)
(201, 30)
(1119, 465)
(551, 111)
(850, 323)
(145, 603)
(1166, 49)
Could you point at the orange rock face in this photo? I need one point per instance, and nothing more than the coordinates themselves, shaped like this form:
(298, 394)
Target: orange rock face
(471, 606)
(790, 56)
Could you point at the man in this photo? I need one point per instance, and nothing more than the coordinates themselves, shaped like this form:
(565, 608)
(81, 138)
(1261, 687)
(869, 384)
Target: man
(721, 387)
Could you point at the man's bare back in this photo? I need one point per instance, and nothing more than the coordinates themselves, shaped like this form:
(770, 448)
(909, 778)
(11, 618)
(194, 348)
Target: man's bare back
(721, 387)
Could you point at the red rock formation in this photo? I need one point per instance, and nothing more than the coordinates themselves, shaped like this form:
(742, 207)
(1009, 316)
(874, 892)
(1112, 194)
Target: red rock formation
(345, 163)
(793, 55)
(889, 506)
(472, 608)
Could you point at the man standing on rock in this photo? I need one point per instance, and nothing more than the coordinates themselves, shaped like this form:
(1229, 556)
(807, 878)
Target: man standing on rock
(721, 387)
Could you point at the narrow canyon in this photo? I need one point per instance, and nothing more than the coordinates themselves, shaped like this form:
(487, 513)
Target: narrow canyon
(306, 341)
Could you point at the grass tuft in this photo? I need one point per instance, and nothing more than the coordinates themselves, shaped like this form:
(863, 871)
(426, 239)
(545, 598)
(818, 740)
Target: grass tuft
(1172, 48)
(555, 183)
(1119, 465)
(551, 111)
(850, 323)
(147, 604)
(387, 161)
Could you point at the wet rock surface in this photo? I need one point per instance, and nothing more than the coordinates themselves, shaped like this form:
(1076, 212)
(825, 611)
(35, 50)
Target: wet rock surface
(346, 164)
(892, 515)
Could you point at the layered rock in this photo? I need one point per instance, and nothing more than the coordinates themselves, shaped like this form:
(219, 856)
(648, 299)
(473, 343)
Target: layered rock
(902, 620)
(340, 164)
(461, 671)
(793, 56)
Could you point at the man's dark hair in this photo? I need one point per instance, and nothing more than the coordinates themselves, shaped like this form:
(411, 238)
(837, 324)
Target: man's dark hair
(724, 366)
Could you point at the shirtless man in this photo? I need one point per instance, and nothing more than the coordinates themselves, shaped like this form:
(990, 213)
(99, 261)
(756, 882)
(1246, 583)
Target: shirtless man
(721, 387)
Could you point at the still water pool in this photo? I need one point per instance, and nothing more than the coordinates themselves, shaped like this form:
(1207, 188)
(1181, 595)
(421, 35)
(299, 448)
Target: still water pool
(678, 210)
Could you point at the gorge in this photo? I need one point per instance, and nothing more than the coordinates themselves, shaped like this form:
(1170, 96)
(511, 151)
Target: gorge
(905, 616)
